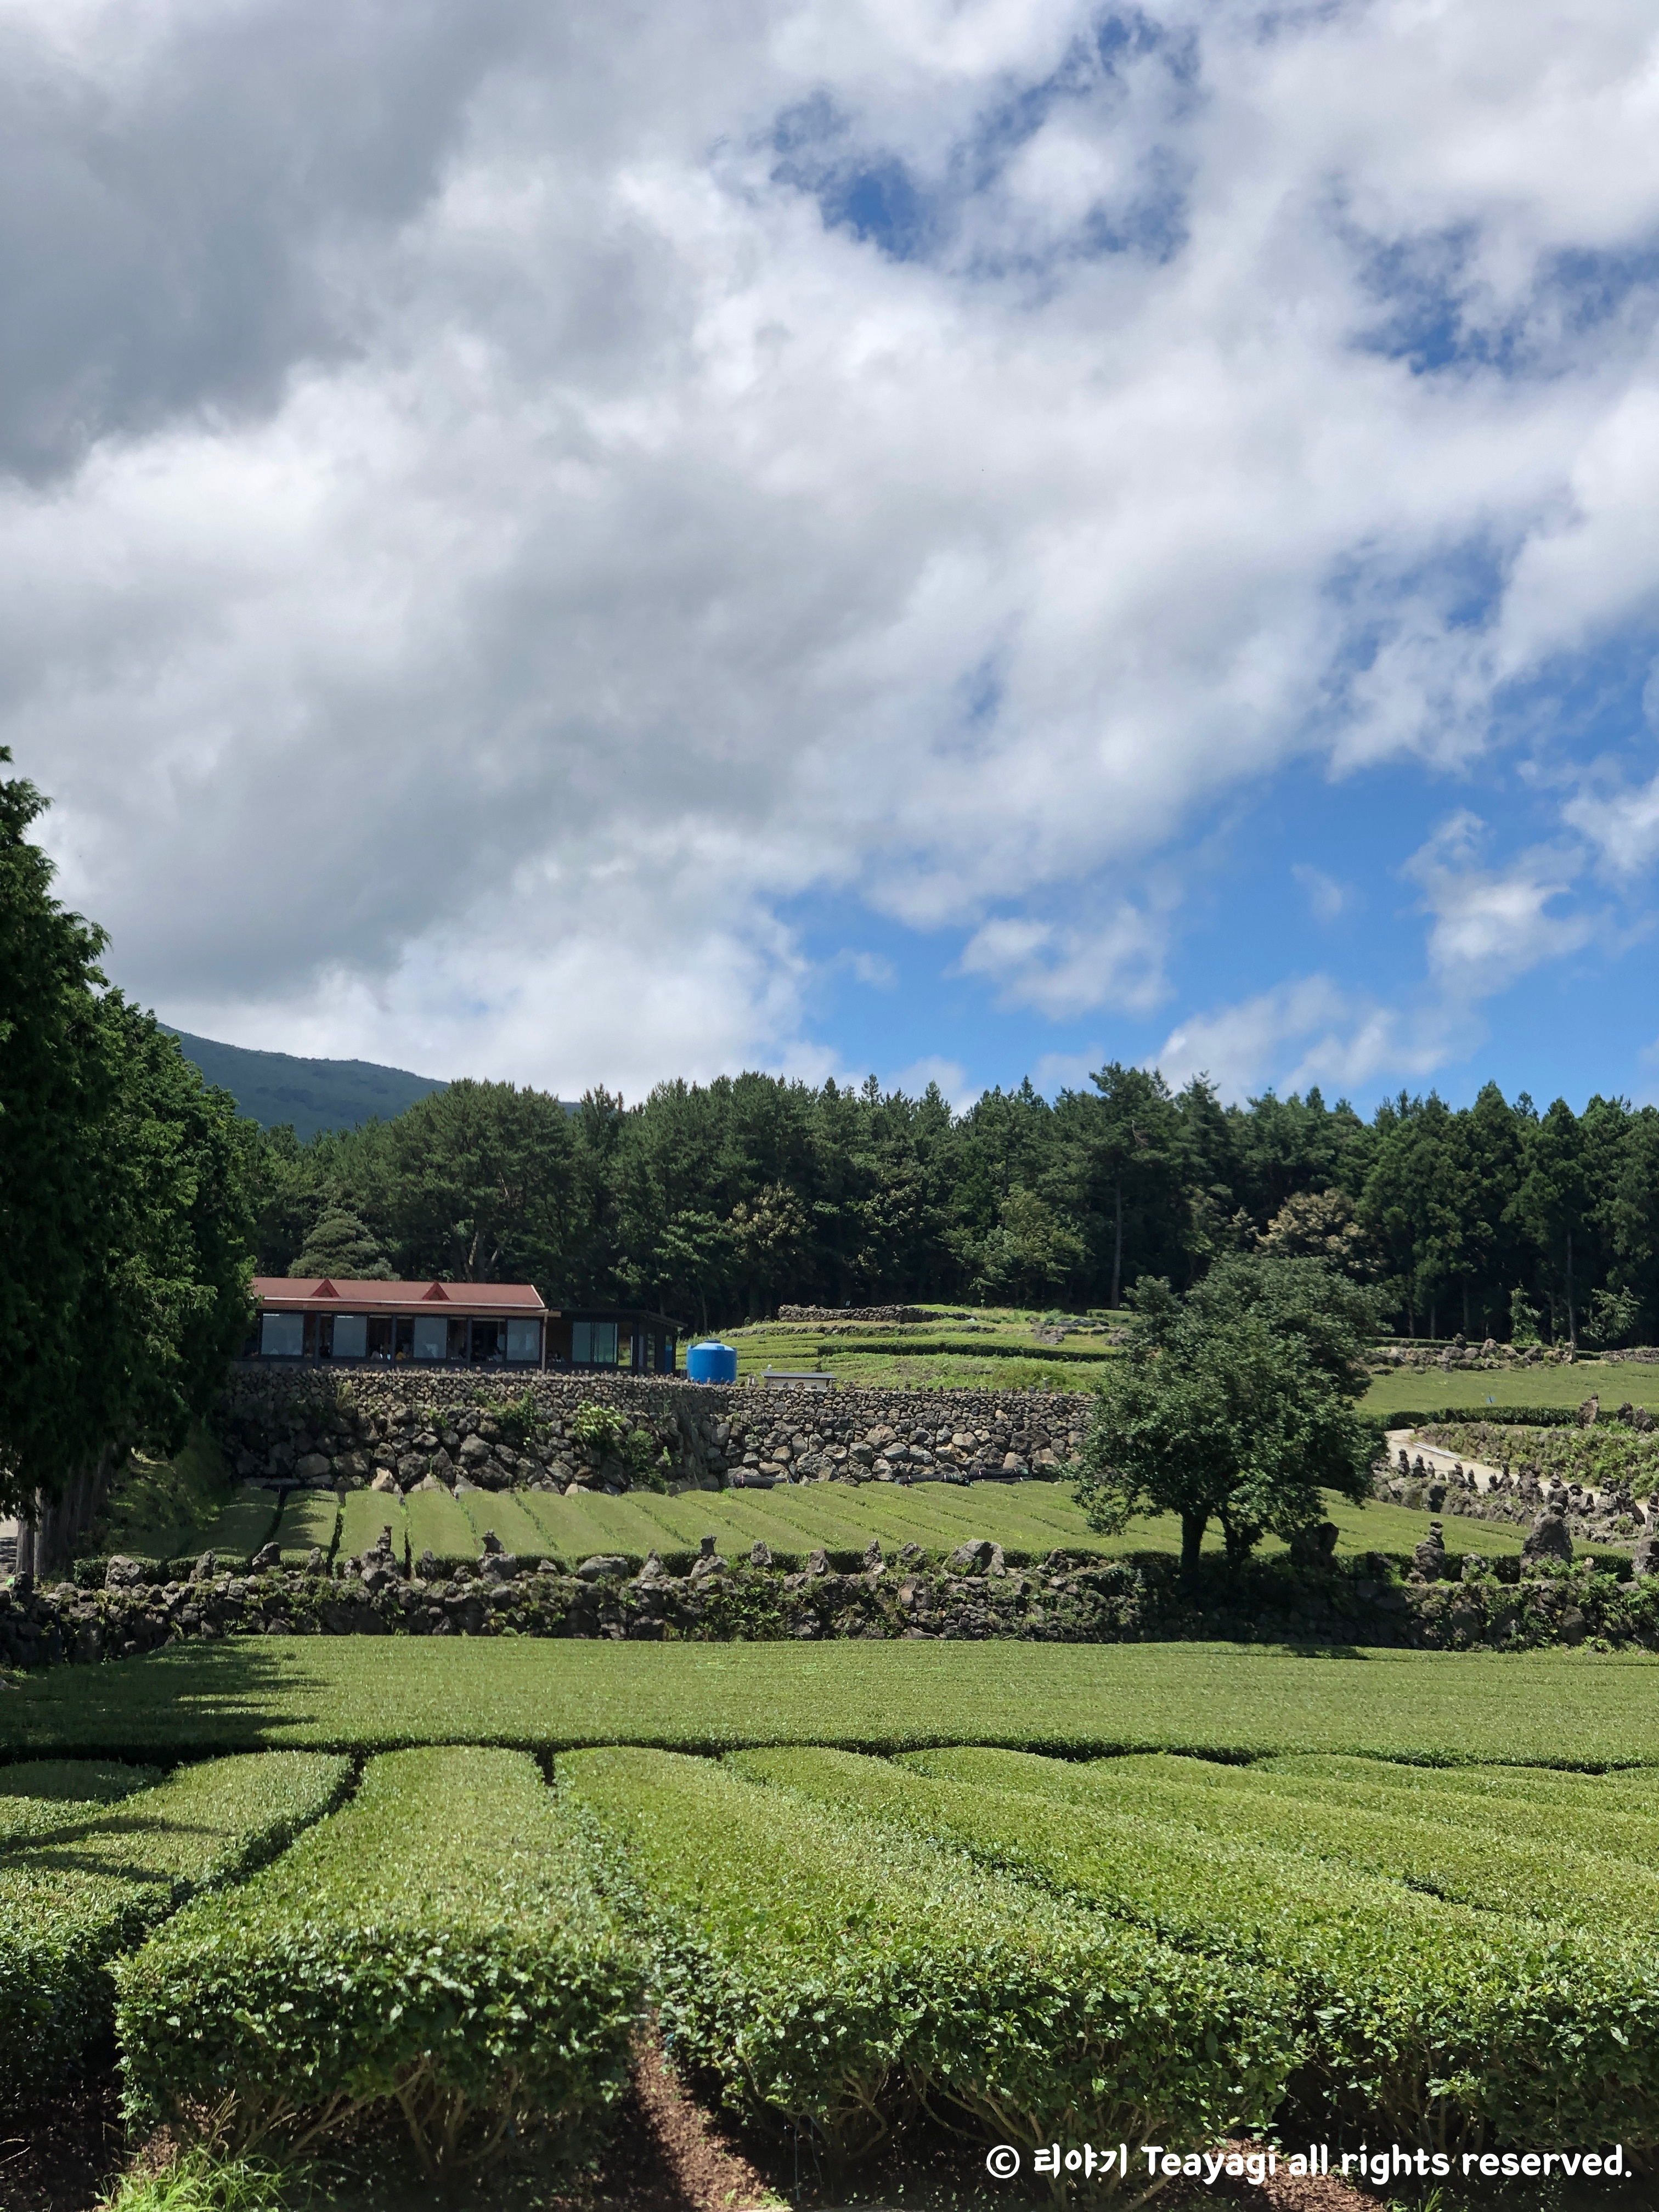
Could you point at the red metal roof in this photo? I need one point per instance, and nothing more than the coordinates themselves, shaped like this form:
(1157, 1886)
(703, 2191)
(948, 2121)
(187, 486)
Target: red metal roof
(326, 1294)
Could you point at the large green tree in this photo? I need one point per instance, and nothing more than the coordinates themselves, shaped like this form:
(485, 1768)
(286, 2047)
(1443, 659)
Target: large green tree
(125, 1220)
(1237, 1406)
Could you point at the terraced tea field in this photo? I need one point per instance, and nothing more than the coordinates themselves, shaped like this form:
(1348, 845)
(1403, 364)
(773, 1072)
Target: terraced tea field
(1121, 1950)
(1028, 1519)
(1550, 1707)
(1429, 1388)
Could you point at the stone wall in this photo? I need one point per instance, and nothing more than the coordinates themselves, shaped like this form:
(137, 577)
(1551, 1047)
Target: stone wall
(914, 1316)
(973, 1594)
(309, 1427)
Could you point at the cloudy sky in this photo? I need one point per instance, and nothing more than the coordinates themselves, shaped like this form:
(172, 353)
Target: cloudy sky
(586, 542)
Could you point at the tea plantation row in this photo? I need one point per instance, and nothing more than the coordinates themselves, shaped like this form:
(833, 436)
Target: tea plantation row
(1028, 1519)
(1122, 1951)
(1550, 1708)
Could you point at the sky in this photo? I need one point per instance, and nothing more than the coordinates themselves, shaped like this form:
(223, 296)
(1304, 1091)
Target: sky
(954, 539)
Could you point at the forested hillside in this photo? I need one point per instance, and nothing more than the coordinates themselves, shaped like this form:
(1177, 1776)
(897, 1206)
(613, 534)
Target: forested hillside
(716, 1202)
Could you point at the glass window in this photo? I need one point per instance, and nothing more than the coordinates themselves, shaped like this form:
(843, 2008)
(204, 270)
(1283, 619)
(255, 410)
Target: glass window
(350, 1336)
(593, 1343)
(524, 1340)
(282, 1336)
(431, 1336)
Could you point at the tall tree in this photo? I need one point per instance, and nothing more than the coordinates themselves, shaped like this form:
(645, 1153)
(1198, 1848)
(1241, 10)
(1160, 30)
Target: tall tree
(124, 1214)
(1554, 1203)
(1133, 1133)
(1238, 1407)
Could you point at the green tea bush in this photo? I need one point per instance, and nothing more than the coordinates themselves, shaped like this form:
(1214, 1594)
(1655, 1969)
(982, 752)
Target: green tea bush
(1528, 1807)
(1605, 1457)
(434, 1947)
(85, 1881)
(827, 1971)
(1507, 1417)
(1452, 2026)
(35, 1789)
(1490, 1864)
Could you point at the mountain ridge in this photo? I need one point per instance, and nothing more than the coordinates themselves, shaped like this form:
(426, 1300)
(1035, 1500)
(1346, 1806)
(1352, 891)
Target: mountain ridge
(274, 1087)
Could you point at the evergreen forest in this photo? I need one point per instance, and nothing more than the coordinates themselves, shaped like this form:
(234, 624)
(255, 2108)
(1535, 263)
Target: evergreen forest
(714, 1202)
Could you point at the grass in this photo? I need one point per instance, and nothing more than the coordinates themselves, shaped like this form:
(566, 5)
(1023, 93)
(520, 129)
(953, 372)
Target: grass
(437, 1522)
(1547, 1708)
(995, 1351)
(363, 1514)
(308, 1522)
(504, 1512)
(199, 2181)
(1428, 1389)
(163, 1509)
(1028, 1519)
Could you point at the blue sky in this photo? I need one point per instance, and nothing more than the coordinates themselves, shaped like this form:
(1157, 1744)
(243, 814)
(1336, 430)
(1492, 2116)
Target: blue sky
(954, 538)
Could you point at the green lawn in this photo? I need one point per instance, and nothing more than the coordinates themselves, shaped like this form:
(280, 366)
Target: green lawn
(1427, 1389)
(1572, 1709)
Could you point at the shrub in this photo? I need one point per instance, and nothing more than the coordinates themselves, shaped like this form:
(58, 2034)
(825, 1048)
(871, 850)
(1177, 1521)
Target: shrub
(80, 1886)
(1450, 2024)
(598, 1428)
(830, 1972)
(433, 1946)
(36, 1791)
(519, 1420)
(1495, 1865)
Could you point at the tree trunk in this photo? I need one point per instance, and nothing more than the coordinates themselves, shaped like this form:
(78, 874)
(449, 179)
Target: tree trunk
(1572, 1320)
(1193, 1526)
(1466, 1306)
(1117, 1247)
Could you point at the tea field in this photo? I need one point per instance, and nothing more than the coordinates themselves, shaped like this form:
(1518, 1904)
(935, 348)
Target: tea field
(1573, 1709)
(1028, 1519)
(1121, 1950)
(1428, 1389)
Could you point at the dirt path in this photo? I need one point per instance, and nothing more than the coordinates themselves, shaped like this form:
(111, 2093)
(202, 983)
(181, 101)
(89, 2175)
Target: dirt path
(1442, 1461)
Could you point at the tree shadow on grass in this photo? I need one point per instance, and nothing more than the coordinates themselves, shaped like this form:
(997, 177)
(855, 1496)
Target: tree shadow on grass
(238, 1695)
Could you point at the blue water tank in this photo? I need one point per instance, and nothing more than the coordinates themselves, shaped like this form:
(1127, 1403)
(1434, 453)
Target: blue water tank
(711, 1362)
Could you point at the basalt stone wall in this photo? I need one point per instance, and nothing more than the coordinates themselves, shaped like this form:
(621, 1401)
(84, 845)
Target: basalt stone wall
(308, 1427)
(914, 1316)
(971, 1597)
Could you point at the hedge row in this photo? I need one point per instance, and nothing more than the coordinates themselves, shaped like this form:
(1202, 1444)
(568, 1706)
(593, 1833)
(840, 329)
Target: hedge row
(1507, 1417)
(435, 1945)
(85, 1881)
(1493, 1865)
(1451, 2026)
(828, 1971)
(1531, 1808)
(35, 1793)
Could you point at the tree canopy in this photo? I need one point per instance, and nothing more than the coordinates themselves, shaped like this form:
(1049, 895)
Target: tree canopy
(1236, 1404)
(125, 1215)
(713, 1201)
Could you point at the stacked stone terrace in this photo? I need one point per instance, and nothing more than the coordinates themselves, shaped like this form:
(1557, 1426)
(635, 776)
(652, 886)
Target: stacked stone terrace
(313, 1428)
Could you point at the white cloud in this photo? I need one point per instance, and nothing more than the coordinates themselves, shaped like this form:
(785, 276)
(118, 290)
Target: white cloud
(1068, 1070)
(1622, 824)
(1327, 898)
(1310, 1030)
(951, 1075)
(466, 570)
(1064, 970)
(1491, 926)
